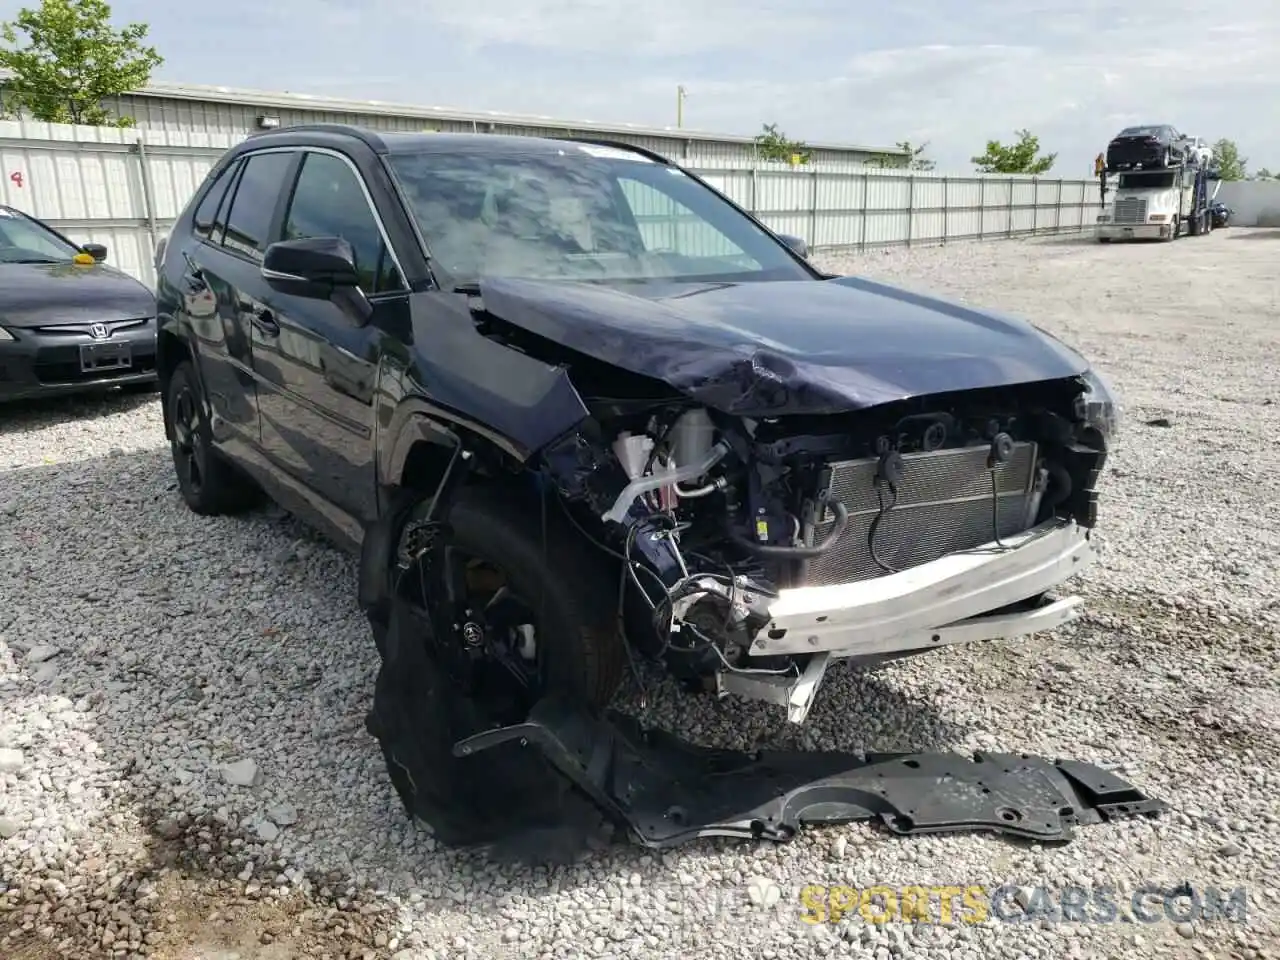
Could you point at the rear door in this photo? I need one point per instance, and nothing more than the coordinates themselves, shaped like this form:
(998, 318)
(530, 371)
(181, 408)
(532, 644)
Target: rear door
(224, 285)
(204, 303)
(316, 368)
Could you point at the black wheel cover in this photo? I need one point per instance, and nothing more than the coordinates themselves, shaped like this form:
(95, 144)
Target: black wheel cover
(190, 455)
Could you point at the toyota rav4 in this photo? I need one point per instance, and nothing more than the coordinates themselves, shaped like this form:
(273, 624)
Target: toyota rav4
(573, 407)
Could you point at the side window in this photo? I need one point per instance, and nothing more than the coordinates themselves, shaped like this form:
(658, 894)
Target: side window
(207, 213)
(249, 220)
(669, 227)
(328, 202)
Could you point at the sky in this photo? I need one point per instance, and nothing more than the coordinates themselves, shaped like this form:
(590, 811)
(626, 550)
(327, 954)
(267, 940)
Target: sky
(950, 73)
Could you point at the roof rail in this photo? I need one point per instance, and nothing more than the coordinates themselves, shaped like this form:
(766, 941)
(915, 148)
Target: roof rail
(619, 145)
(369, 137)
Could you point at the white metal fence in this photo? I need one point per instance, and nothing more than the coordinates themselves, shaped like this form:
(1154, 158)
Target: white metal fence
(123, 188)
(1254, 203)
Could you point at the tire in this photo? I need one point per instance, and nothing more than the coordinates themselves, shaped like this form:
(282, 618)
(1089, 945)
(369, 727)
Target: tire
(209, 485)
(420, 710)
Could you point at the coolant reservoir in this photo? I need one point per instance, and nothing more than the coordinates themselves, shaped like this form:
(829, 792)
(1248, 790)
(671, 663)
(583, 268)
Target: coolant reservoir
(692, 437)
(633, 453)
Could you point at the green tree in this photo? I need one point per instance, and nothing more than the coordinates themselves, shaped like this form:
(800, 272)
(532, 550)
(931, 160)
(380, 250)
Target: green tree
(1231, 166)
(70, 59)
(774, 145)
(911, 158)
(1020, 157)
(1264, 174)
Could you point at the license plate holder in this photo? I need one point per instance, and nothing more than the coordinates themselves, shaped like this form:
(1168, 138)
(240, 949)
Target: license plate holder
(105, 357)
(1127, 231)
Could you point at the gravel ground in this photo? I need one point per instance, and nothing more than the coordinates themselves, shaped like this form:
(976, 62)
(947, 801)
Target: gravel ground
(184, 772)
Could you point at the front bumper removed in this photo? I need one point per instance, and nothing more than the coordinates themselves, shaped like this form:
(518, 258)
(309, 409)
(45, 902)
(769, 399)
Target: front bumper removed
(963, 597)
(667, 792)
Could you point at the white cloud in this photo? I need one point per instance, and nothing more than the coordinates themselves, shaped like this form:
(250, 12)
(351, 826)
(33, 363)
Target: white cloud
(1073, 85)
(660, 28)
(954, 74)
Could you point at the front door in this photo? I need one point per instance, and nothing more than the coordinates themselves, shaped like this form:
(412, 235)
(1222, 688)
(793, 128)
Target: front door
(316, 368)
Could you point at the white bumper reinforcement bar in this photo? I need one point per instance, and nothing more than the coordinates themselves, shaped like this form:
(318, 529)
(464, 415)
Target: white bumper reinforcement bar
(950, 600)
(888, 614)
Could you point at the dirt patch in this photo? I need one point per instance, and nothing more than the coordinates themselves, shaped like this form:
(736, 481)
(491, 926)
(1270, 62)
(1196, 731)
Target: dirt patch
(187, 899)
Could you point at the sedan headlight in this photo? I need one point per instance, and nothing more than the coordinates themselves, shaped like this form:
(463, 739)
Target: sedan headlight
(5, 335)
(1099, 406)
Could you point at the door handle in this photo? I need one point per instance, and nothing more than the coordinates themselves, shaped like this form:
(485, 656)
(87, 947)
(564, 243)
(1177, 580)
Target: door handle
(264, 320)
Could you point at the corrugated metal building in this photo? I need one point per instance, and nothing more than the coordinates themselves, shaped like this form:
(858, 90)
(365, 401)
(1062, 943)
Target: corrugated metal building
(208, 109)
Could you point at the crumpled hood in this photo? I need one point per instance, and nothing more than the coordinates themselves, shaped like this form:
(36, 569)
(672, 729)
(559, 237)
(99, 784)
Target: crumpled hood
(43, 294)
(761, 349)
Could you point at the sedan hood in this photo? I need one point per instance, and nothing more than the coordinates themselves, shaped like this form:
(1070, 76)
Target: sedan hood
(45, 294)
(763, 349)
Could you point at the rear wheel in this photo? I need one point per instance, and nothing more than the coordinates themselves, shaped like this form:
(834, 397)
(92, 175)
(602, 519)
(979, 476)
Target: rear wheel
(487, 617)
(208, 484)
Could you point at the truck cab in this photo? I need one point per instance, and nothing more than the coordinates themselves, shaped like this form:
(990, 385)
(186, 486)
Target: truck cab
(1148, 205)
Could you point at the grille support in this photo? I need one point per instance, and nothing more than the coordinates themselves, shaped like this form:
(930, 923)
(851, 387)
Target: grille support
(944, 504)
(1131, 210)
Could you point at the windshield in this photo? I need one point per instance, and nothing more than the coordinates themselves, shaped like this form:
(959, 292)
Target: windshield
(1140, 132)
(580, 213)
(22, 240)
(1149, 181)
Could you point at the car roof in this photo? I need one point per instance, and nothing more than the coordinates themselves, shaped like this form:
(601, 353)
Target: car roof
(388, 143)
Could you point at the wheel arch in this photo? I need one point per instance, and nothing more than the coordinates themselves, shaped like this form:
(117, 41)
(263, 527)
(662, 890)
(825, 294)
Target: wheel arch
(413, 459)
(172, 348)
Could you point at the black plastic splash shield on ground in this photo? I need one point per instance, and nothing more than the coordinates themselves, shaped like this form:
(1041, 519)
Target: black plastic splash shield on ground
(668, 792)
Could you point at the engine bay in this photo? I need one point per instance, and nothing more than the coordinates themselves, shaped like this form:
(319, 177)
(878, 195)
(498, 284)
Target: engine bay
(712, 516)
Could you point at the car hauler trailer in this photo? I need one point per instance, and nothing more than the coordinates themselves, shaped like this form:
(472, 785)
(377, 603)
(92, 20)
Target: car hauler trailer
(1159, 204)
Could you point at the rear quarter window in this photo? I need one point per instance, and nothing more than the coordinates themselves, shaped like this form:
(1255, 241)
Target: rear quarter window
(253, 208)
(202, 221)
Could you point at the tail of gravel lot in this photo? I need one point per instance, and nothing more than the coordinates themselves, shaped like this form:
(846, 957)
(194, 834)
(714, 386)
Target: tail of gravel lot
(185, 771)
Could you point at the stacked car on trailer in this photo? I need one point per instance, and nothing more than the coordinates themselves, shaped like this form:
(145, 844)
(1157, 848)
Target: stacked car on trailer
(1166, 185)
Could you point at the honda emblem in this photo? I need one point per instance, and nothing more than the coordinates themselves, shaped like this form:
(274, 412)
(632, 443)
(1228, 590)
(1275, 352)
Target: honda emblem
(99, 331)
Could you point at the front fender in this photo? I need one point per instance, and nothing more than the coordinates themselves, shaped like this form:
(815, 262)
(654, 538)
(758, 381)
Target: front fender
(461, 381)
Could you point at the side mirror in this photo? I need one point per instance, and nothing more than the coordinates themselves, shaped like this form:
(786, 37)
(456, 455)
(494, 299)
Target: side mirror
(797, 244)
(318, 268)
(95, 250)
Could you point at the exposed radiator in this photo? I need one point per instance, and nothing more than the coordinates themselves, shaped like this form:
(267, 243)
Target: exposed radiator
(1131, 210)
(944, 505)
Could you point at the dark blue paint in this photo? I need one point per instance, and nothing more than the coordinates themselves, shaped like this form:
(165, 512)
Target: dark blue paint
(787, 347)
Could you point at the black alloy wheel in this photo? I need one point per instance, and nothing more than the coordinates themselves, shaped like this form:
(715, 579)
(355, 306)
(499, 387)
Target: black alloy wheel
(209, 485)
(189, 453)
(483, 632)
(490, 612)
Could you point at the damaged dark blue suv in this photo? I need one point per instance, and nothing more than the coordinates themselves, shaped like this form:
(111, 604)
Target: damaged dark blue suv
(573, 407)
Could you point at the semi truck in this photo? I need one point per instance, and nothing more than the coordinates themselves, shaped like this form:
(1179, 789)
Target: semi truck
(1160, 203)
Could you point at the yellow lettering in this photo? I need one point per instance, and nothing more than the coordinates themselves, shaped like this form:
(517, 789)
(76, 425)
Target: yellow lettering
(915, 904)
(946, 895)
(842, 900)
(814, 902)
(975, 901)
(888, 904)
